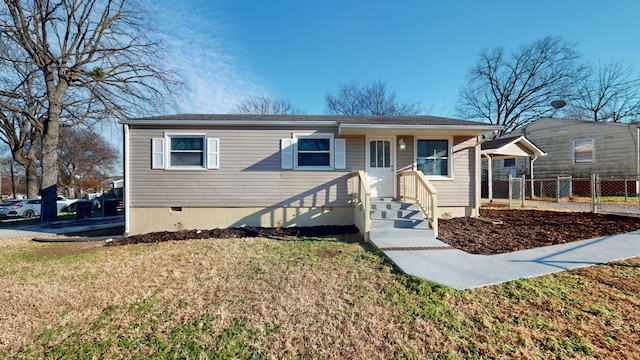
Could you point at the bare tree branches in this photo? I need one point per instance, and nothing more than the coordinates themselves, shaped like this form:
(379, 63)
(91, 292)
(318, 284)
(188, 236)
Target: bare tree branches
(83, 154)
(263, 105)
(513, 89)
(91, 60)
(607, 93)
(372, 99)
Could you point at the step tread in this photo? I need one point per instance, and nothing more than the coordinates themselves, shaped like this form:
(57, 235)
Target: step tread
(397, 214)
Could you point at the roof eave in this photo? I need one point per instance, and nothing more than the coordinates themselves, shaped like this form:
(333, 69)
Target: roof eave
(207, 122)
(535, 151)
(344, 129)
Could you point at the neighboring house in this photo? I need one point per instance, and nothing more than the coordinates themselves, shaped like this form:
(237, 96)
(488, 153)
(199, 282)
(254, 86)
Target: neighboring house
(509, 155)
(504, 156)
(580, 148)
(206, 171)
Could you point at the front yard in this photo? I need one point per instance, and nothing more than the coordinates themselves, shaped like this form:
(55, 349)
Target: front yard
(309, 298)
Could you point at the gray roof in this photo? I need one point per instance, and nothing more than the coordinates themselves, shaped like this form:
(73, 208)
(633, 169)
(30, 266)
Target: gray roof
(224, 119)
(495, 146)
(497, 143)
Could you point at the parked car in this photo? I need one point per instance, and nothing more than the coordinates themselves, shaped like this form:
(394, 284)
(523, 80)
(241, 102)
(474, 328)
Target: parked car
(27, 208)
(5, 208)
(64, 204)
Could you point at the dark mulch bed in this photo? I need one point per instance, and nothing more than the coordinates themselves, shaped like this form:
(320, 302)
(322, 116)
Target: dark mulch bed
(243, 232)
(520, 230)
(526, 229)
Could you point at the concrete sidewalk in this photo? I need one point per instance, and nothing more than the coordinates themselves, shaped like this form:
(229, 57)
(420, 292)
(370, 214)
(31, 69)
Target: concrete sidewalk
(460, 270)
(62, 227)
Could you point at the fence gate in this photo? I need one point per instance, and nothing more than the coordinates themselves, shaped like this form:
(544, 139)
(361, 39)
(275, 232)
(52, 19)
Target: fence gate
(516, 191)
(616, 194)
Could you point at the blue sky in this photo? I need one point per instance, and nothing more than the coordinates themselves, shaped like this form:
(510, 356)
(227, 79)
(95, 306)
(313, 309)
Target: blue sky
(300, 50)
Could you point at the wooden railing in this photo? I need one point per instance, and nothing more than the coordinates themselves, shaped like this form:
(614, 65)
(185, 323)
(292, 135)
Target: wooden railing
(361, 203)
(415, 186)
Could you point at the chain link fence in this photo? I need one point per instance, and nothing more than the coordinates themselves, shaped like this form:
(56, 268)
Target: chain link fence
(605, 193)
(619, 194)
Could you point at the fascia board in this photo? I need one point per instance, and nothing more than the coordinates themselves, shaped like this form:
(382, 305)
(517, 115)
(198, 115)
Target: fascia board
(421, 127)
(205, 122)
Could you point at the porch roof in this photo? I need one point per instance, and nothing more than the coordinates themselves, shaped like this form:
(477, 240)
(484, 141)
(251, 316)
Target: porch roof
(510, 147)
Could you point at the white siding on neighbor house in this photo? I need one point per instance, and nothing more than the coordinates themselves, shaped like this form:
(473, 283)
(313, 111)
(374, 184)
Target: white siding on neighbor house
(249, 173)
(615, 147)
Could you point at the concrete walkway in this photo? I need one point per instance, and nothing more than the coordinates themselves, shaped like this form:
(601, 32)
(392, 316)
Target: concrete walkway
(61, 227)
(440, 263)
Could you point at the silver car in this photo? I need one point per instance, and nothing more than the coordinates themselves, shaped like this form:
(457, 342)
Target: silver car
(27, 208)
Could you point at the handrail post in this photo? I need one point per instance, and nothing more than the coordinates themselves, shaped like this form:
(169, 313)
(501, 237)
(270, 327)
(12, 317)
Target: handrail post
(362, 208)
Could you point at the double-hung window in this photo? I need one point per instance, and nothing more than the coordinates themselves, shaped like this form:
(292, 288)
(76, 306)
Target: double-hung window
(314, 152)
(583, 151)
(185, 151)
(317, 151)
(433, 157)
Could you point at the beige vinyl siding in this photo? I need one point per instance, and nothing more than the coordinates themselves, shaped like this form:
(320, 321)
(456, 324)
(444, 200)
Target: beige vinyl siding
(405, 158)
(461, 190)
(615, 147)
(457, 192)
(249, 173)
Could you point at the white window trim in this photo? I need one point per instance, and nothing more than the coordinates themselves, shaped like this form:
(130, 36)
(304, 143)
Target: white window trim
(449, 158)
(329, 136)
(167, 150)
(593, 151)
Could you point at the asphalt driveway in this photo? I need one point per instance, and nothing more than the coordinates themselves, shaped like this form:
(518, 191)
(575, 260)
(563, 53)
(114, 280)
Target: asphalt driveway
(61, 227)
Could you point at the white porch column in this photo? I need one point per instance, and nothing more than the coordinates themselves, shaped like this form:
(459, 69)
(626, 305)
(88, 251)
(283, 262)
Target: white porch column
(490, 176)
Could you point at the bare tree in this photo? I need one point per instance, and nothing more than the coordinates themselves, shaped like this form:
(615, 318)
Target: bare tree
(95, 60)
(372, 99)
(263, 105)
(607, 93)
(13, 178)
(84, 159)
(19, 127)
(513, 89)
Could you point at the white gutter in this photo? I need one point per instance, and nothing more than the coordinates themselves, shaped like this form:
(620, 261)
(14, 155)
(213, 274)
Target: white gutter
(126, 192)
(206, 122)
(485, 128)
(531, 172)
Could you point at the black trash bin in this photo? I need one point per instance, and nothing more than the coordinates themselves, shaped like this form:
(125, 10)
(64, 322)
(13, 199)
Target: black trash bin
(110, 207)
(83, 209)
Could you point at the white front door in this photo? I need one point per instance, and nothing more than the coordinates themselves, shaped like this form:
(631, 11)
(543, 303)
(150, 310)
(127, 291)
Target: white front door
(380, 166)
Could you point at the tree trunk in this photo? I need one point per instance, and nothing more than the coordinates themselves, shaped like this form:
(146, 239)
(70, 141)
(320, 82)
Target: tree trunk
(32, 179)
(31, 171)
(50, 135)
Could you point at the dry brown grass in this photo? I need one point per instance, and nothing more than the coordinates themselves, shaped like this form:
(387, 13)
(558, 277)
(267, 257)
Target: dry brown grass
(297, 299)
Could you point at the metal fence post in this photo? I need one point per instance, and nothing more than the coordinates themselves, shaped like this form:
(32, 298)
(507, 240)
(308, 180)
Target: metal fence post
(558, 189)
(570, 186)
(626, 192)
(510, 193)
(594, 195)
(522, 191)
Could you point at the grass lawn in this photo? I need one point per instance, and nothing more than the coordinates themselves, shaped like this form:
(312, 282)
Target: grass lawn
(308, 299)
